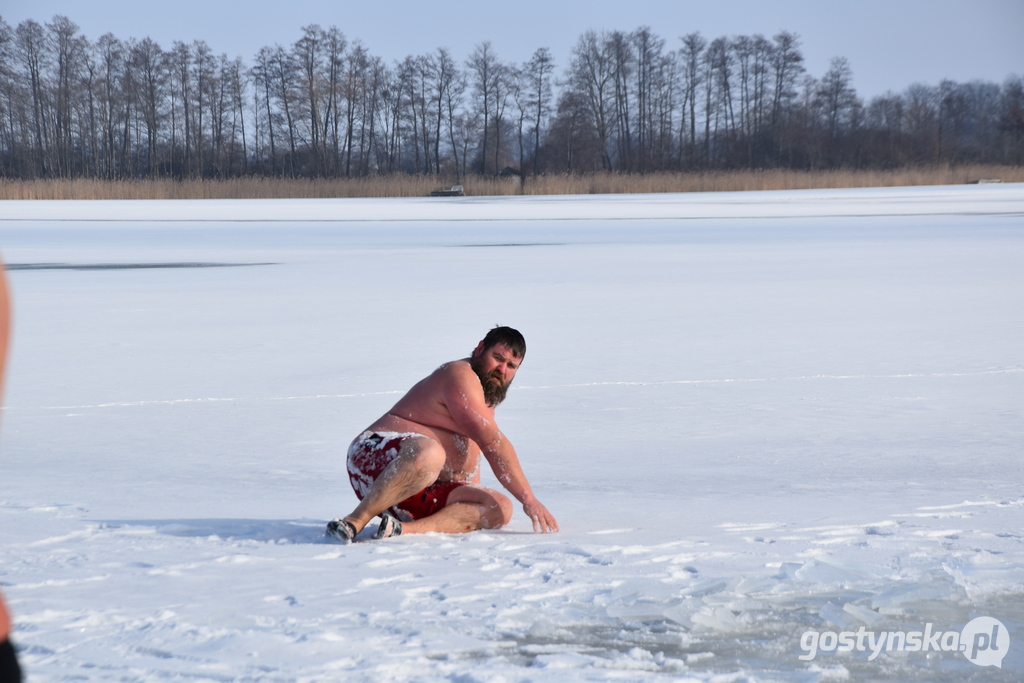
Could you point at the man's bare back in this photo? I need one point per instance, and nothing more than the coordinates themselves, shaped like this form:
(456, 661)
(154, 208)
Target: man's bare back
(420, 412)
(437, 433)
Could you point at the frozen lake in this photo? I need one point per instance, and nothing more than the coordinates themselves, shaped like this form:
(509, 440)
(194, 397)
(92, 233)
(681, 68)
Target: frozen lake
(756, 417)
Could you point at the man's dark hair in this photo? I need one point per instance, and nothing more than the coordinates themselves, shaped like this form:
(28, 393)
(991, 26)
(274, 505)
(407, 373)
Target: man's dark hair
(507, 336)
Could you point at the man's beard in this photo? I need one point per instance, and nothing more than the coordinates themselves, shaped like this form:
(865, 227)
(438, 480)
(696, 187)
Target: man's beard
(494, 386)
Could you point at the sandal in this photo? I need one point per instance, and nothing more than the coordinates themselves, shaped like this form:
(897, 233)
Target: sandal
(342, 530)
(389, 526)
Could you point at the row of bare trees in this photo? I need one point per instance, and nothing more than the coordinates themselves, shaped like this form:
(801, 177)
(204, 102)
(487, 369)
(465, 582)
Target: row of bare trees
(325, 107)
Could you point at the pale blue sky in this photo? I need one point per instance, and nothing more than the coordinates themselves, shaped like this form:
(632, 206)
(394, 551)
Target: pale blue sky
(889, 43)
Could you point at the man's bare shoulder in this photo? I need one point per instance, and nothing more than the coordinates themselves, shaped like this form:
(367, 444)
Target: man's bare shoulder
(431, 401)
(455, 370)
(454, 375)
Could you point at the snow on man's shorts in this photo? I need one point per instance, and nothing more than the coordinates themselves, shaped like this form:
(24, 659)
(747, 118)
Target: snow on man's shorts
(371, 453)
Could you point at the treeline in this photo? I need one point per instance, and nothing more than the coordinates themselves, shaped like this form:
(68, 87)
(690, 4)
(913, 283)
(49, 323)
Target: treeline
(325, 107)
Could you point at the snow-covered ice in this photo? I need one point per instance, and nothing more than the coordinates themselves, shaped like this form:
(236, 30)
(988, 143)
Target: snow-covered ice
(755, 416)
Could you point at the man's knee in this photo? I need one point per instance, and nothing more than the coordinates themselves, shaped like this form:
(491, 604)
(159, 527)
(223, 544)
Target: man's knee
(496, 508)
(505, 509)
(426, 456)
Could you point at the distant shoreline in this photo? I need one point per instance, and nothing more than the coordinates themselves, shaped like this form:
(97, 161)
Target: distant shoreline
(552, 184)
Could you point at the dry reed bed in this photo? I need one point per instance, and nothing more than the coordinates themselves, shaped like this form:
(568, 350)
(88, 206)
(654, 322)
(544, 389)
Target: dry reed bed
(419, 185)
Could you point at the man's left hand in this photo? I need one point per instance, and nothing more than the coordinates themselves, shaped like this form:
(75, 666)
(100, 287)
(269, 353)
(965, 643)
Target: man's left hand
(543, 521)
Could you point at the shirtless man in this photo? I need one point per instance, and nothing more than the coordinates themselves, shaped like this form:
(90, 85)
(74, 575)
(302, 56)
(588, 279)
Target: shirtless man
(418, 466)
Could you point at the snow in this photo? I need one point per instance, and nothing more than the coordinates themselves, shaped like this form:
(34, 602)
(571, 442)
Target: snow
(754, 415)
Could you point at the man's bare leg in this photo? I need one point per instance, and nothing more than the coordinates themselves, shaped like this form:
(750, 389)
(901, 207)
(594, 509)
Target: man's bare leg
(469, 508)
(416, 467)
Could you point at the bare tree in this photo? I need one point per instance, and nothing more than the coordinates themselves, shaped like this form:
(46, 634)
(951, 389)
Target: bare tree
(759, 71)
(31, 51)
(444, 76)
(517, 88)
(981, 135)
(354, 79)
(453, 96)
(711, 104)
(836, 95)
(409, 112)
(592, 74)
(335, 56)
(180, 73)
(885, 117)
(573, 142)
(234, 82)
(465, 131)
(721, 72)
(264, 81)
(371, 83)
(664, 107)
(623, 61)
(387, 145)
(787, 67)
(692, 54)
(283, 73)
(647, 48)
(502, 89)
(146, 61)
(1011, 119)
(12, 119)
(66, 47)
(307, 53)
(202, 75)
(422, 101)
(750, 55)
(114, 94)
(483, 65)
(538, 73)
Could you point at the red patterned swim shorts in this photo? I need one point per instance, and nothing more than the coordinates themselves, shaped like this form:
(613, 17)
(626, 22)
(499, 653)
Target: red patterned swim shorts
(371, 453)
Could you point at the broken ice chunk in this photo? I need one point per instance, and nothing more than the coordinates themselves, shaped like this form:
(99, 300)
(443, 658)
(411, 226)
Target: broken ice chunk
(909, 592)
(869, 617)
(719, 619)
(836, 615)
